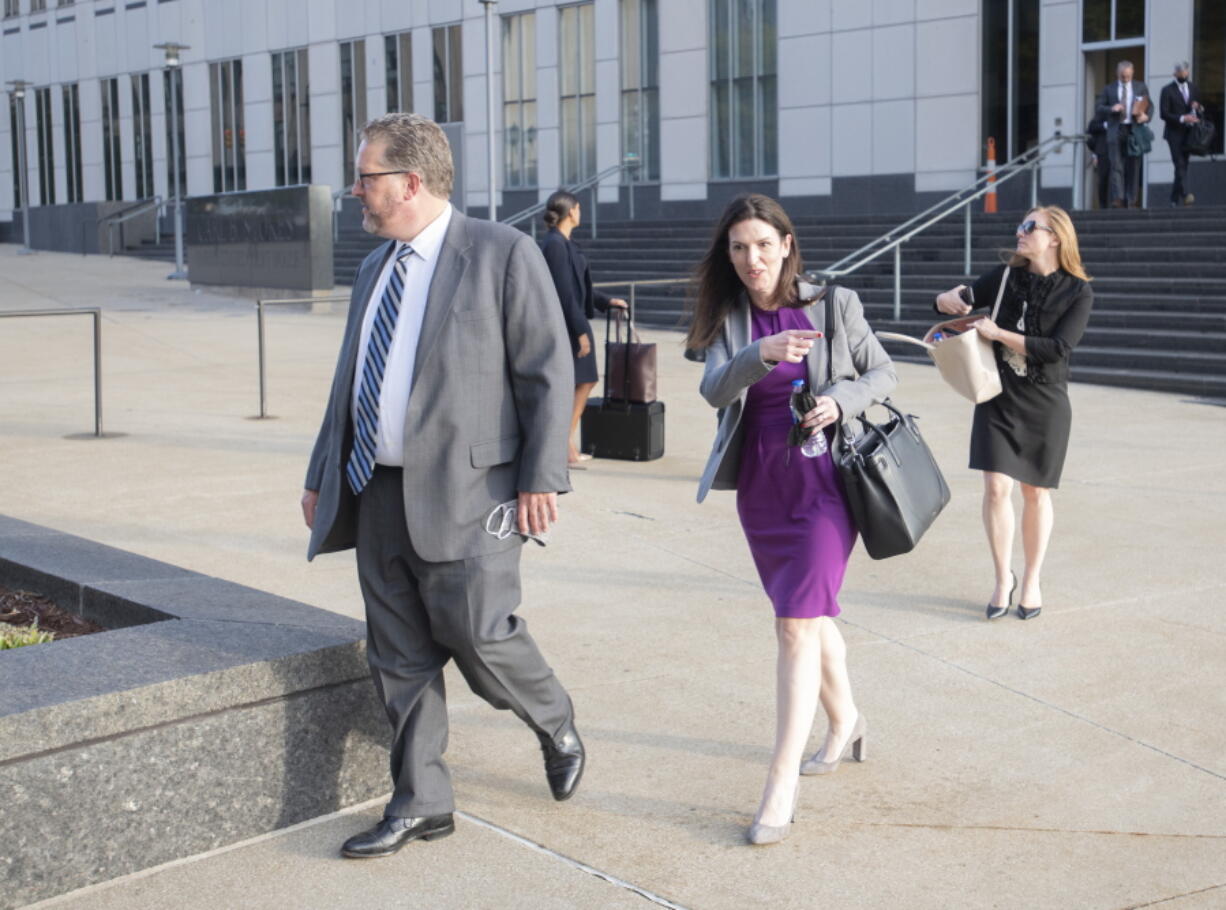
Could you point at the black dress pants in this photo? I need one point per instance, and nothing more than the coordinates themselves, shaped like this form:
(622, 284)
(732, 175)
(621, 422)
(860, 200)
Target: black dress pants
(1179, 158)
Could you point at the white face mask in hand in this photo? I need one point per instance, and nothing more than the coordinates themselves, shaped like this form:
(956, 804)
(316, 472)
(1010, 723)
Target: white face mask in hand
(503, 521)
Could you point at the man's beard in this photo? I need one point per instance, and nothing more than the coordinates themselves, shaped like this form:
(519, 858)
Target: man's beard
(371, 223)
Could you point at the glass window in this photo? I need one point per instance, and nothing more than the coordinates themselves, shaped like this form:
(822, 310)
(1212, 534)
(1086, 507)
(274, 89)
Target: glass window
(744, 116)
(640, 87)
(519, 100)
(398, 58)
(112, 167)
(175, 119)
(46, 148)
(353, 101)
(1209, 62)
(1111, 20)
(577, 55)
(448, 75)
(291, 107)
(38, 6)
(142, 136)
(994, 97)
(12, 8)
(72, 140)
(229, 138)
(16, 134)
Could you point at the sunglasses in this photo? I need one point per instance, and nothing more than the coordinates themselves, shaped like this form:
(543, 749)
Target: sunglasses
(1027, 228)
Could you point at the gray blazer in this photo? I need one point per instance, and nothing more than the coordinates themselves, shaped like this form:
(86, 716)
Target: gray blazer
(856, 373)
(489, 414)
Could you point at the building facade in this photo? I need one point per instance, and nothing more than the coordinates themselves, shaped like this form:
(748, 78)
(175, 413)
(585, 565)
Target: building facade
(847, 106)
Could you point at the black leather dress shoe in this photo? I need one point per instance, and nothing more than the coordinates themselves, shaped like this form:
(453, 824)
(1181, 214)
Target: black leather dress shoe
(564, 760)
(392, 833)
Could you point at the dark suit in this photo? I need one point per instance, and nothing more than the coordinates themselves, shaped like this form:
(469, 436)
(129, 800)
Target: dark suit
(1172, 107)
(580, 300)
(1096, 141)
(487, 417)
(1125, 168)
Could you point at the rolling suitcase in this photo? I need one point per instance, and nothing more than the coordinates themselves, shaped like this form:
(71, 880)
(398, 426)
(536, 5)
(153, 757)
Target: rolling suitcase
(622, 429)
(616, 427)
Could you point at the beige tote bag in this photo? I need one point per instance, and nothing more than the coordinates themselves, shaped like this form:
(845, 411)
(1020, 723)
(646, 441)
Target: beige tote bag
(964, 358)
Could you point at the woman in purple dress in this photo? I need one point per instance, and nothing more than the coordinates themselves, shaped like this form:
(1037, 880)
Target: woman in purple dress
(758, 328)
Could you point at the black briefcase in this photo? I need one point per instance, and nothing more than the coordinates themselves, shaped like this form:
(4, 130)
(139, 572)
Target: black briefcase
(622, 429)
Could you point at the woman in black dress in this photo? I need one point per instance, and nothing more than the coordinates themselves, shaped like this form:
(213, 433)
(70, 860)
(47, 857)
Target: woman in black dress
(1022, 434)
(580, 301)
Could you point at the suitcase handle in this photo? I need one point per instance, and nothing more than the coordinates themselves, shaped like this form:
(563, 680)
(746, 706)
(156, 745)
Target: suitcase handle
(608, 316)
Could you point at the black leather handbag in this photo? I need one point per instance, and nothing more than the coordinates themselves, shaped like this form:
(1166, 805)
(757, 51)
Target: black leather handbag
(894, 488)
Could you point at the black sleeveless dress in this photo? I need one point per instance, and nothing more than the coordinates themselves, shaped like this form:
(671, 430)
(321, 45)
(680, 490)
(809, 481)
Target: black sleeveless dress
(1024, 431)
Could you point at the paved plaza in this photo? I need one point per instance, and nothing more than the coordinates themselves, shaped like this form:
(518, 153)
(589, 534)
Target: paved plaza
(1074, 761)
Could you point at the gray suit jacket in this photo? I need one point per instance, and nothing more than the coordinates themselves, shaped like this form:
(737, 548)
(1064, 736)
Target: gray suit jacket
(856, 373)
(489, 413)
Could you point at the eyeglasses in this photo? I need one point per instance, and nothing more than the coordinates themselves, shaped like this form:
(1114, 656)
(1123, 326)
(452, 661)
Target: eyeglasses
(1028, 227)
(363, 178)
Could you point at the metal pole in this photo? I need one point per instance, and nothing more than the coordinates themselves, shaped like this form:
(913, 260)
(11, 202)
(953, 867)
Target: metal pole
(595, 208)
(489, 101)
(633, 295)
(897, 282)
(180, 272)
(1034, 184)
(97, 372)
(1009, 114)
(259, 319)
(966, 269)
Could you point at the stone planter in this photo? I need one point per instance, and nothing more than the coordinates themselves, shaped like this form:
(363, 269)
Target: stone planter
(209, 713)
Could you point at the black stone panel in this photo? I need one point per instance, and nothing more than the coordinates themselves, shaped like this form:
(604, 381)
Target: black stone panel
(278, 238)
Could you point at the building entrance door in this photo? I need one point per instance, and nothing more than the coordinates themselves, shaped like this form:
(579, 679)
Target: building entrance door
(1100, 71)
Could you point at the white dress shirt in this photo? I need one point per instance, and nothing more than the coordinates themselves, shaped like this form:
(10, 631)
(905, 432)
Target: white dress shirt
(1126, 100)
(398, 372)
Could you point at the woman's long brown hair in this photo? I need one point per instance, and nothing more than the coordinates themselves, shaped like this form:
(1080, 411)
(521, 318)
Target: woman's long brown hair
(717, 284)
(1068, 253)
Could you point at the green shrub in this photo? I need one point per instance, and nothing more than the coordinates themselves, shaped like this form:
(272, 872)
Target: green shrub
(17, 636)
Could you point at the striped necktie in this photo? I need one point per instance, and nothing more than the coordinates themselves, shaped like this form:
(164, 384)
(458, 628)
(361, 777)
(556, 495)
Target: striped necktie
(366, 415)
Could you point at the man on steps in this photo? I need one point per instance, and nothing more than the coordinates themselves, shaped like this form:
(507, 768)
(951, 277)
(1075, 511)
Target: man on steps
(1180, 108)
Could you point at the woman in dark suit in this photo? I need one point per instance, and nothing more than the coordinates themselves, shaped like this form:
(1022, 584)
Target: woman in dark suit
(573, 279)
(1022, 434)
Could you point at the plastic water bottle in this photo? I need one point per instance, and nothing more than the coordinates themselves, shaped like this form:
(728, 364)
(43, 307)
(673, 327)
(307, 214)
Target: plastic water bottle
(816, 443)
(937, 336)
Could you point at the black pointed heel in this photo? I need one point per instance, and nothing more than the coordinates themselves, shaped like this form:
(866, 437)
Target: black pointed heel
(994, 612)
(1028, 612)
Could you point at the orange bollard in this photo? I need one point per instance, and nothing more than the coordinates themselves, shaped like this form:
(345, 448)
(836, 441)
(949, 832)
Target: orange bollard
(989, 198)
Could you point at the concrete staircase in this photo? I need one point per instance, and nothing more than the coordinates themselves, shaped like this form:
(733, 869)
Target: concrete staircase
(1159, 318)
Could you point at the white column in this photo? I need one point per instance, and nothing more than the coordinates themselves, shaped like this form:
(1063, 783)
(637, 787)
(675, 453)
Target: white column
(1061, 63)
(607, 27)
(1170, 40)
(257, 122)
(548, 104)
(804, 80)
(684, 92)
(947, 85)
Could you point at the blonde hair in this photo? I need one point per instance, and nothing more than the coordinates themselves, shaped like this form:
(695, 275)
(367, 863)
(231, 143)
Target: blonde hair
(417, 144)
(1068, 253)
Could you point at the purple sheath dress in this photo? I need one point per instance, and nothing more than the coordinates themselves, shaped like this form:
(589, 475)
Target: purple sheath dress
(792, 508)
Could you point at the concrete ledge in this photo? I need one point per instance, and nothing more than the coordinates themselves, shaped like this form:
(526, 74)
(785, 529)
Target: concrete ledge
(211, 712)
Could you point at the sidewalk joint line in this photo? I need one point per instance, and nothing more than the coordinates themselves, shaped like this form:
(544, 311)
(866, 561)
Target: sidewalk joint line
(932, 826)
(1175, 897)
(1062, 710)
(573, 863)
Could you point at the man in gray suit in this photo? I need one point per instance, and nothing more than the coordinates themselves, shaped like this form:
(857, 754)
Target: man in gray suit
(445, 435)
(1123, 105)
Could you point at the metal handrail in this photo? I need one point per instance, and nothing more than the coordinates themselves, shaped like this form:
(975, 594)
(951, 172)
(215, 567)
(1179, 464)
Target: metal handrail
(1029, 160)
(96, 313)
(631, 163)
(259, 321)
(635, 284)
(125, 215)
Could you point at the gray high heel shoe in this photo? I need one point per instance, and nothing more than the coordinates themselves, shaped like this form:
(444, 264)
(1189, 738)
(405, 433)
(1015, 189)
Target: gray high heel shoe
(760, 835)
(855, 746)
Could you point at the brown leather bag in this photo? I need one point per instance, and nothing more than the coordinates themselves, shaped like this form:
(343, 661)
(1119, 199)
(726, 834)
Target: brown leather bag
(630, 365)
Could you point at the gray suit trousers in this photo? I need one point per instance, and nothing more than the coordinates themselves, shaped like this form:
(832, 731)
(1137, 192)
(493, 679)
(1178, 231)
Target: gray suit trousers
(419, 615)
